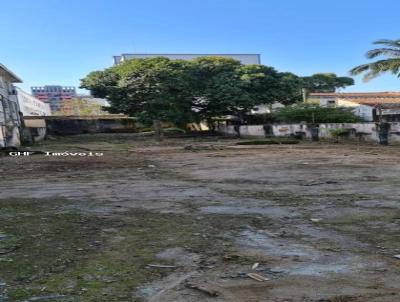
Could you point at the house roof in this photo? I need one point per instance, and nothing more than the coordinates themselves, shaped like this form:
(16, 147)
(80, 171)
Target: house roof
(375, 101)
(9, 74)
(385, 94)
(363, 98)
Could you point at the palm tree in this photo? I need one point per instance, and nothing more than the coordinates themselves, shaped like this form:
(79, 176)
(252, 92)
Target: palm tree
(390, 50)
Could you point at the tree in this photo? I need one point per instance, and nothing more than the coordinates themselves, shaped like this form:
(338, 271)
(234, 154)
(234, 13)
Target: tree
(265, 85)
(178, 91)
(100, 83)
(390, 50)
(290, 88)
(326, 82)
(153, 90)
(219, 88)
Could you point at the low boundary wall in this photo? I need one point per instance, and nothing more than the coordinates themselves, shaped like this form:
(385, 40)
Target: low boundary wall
(69, 125)
(359, 131)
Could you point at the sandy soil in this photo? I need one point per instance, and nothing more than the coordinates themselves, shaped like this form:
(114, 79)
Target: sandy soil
(154, 221)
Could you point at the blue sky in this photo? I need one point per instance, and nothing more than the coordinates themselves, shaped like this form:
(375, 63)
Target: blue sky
(60, 41)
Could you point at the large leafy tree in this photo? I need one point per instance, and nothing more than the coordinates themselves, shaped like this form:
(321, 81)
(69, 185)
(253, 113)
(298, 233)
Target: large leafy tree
(181, 91)
(326, 82)
(149, 89)
(390, 51)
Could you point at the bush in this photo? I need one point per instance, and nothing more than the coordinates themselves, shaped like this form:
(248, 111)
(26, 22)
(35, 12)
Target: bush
(340, 132)
(311, 113)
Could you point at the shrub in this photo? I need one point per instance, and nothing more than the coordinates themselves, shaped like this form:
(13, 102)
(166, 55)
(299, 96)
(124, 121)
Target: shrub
(311, 113)
(340, 132)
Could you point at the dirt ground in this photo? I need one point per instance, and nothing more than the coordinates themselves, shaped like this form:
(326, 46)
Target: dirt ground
(155, 221)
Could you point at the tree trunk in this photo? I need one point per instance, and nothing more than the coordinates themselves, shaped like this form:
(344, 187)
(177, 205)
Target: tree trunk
(314, 133)
(383, 133)
(158, 131)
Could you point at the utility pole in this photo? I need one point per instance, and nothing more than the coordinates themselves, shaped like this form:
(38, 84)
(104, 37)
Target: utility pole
(304, 94)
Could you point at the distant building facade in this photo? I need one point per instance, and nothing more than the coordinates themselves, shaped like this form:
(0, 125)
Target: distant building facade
(86, 105)
(10, 121)
(54, 94)
(246, 59)
(31, 106)
(370, 106)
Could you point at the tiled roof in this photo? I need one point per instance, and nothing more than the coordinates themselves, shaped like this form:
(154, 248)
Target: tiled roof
(384, 94)
(365, 98)
(375, 101)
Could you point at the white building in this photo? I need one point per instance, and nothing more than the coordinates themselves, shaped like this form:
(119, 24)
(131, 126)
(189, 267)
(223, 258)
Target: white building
(266, 108)
(367, 105)
(31, 106)
(246, 59)
(10, 121)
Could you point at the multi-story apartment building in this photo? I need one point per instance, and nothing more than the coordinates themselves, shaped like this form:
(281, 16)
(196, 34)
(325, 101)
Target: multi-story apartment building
(54, 95)
(10, 121)
(246, 59)
(31, 106)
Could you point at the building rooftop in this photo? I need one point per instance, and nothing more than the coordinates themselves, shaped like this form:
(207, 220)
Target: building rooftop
(364, 98)
(385, 94)
(376, 101)
(9, 74)
(245, 58)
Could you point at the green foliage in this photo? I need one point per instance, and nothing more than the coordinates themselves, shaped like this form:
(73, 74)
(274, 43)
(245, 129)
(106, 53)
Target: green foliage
(339, 132)
(150, 89)
(311, 113)
(267, 86)
(391, 64)
(259, 119)
(181, 91)
(326, 82)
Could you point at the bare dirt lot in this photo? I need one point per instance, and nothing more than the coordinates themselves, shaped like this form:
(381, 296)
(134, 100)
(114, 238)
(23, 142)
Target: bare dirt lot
(154, 221)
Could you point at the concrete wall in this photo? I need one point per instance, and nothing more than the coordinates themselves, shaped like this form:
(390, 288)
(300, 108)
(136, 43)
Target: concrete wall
(63, 125)
(34, 130)
(367, 131)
